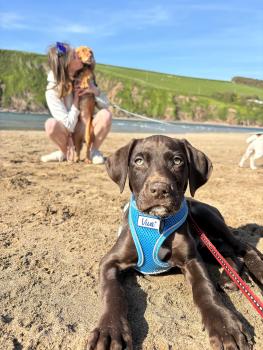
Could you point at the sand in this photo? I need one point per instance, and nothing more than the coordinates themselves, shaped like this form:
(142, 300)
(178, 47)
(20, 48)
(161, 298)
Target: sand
(58, 220)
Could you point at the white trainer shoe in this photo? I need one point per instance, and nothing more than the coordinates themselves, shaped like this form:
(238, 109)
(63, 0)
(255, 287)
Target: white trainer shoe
(56, 156)
(97, 157)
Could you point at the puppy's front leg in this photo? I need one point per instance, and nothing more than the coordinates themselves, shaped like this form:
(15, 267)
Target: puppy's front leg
(113, 330)
(224, 329)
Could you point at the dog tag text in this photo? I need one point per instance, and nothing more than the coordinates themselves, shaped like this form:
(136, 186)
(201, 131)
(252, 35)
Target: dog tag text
(144, 221)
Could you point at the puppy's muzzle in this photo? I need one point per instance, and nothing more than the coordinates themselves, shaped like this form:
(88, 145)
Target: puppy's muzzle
(159, 190)
(159, 198)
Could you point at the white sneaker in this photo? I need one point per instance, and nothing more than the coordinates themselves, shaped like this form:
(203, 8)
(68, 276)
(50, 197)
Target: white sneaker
(97, 157)
(56, 156)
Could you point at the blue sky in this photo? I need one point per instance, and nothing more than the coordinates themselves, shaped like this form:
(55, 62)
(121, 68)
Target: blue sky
(210, 39)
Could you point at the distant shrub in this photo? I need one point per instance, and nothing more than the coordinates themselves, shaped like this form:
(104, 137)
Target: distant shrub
(248, 81)
(227, 96)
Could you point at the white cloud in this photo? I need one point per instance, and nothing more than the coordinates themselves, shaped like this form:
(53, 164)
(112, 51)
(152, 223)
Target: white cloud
(11, 20)
(94, 30)
(76, 28)
(118, 22)
(151, 16)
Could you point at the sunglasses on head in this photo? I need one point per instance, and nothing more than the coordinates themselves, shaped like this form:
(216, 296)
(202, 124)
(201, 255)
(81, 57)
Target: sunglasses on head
(61, 48)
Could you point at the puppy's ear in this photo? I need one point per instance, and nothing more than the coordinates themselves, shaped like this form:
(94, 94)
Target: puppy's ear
(199, 165)
(118, 163)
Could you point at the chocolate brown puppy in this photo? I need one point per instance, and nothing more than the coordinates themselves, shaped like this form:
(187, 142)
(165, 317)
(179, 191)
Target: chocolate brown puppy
(159, 170)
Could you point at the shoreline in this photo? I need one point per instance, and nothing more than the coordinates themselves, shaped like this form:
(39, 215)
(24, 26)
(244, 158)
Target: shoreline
(154, 120)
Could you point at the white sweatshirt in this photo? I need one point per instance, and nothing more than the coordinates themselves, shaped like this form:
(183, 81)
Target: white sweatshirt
(62, 109)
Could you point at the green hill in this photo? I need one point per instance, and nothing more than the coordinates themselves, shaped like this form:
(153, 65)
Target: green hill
(23, 80)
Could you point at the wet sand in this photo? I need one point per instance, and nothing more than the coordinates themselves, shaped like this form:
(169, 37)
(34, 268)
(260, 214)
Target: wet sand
(58, 220)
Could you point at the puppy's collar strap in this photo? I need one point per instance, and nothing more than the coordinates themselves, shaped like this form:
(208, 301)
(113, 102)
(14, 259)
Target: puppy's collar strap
(149, 232)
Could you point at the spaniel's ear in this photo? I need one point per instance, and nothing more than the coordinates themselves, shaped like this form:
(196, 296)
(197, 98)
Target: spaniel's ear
(117, 164)
(199, 165)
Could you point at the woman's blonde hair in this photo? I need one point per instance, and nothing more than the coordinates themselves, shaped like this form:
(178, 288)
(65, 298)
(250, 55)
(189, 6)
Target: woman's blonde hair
(58, 62)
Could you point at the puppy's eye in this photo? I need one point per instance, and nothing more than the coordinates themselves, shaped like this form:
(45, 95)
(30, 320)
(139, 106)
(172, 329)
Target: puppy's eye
(139, 161)
(177, 161)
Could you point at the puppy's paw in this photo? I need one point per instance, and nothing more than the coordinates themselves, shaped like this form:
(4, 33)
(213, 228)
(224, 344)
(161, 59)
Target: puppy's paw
(254, 262)
(111, 333)
(227, 332)
(226, 283)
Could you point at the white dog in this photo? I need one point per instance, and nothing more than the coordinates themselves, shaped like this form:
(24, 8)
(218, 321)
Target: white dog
(254, 150)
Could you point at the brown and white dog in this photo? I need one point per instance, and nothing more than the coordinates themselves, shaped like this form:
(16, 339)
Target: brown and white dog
(254, 150)
(84, 128)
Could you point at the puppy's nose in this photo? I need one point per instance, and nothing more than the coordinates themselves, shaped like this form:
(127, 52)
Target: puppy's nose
(159, 189)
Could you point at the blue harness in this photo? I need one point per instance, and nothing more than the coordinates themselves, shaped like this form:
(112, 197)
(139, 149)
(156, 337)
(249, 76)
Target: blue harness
(149, 232)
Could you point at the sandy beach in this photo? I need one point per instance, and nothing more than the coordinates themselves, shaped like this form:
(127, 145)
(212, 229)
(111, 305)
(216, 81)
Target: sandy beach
(58, 220)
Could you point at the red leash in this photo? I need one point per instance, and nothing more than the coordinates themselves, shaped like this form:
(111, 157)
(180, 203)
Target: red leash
(254, 300)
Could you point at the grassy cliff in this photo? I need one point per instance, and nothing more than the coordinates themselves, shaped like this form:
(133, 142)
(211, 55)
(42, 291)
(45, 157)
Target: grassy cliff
(23, 80)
